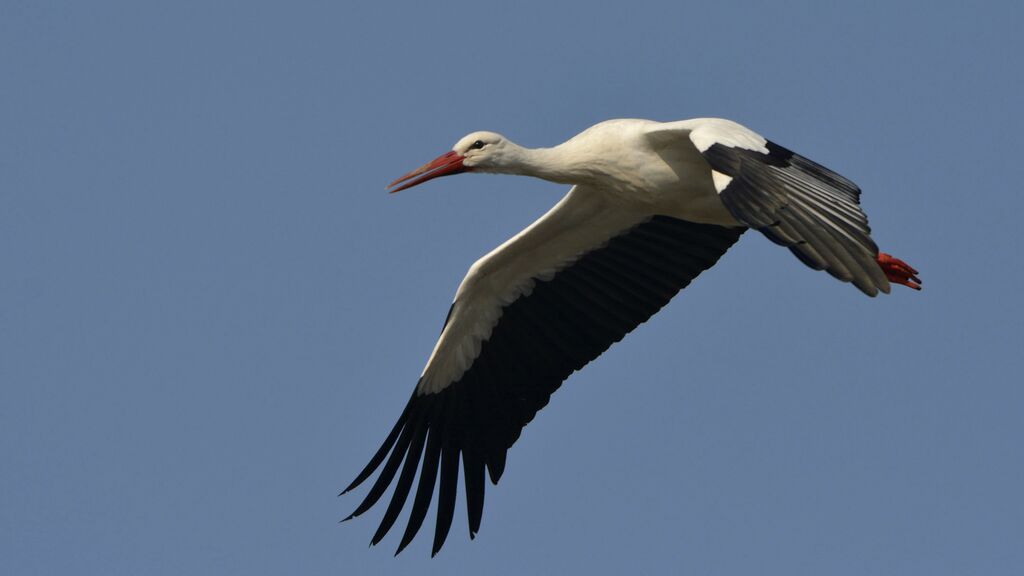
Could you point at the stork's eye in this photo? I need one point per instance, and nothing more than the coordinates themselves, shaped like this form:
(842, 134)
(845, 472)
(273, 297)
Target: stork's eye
(477, 145)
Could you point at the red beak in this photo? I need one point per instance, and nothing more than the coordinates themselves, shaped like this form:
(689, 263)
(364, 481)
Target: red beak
(450, 163)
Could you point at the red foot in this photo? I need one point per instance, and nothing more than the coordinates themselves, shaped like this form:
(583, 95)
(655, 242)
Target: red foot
(898, 271)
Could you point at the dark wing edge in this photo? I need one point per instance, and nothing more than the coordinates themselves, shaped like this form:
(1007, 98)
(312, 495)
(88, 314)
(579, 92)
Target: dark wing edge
(540, 339)
(800, 204)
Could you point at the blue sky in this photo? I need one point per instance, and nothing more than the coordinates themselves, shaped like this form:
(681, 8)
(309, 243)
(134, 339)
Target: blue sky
(211, 312)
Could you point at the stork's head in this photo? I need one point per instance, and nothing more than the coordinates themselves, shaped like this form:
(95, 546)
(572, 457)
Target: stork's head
(478, 151)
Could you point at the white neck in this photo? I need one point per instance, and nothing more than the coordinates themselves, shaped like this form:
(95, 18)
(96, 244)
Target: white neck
(563, 163)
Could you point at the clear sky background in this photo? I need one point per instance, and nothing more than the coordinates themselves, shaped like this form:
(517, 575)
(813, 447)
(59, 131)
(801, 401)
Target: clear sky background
(211, 312)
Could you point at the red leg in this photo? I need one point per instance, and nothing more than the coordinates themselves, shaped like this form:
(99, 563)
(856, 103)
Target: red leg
(898, 271)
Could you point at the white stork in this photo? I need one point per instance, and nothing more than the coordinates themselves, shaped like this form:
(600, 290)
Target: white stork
(652, 206)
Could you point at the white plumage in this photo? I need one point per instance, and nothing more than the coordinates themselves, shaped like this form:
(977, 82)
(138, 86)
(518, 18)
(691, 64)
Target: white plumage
(652, 205)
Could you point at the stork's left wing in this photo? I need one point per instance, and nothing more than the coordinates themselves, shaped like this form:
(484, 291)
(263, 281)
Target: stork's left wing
(792, 200)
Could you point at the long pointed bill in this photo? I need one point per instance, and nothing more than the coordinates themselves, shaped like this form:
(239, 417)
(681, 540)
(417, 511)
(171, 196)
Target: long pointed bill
(450, 163)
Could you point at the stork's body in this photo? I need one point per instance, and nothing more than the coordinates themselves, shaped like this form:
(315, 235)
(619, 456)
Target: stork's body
(652, 206)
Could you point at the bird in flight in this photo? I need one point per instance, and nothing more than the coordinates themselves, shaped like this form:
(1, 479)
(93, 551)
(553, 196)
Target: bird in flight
(652, 205)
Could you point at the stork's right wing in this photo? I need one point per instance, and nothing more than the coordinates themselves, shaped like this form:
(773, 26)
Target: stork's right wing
(527, 315)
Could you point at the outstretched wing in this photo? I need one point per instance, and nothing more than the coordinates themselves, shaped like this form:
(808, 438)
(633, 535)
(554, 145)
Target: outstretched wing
(794, 201)
(527, 315)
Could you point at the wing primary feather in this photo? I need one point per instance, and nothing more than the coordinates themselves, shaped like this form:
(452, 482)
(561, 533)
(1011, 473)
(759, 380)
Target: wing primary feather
(861, 249)
(447, 492)
(862, 265)
(412, 461)
(497, 411)
(473, 470)
(381, 452)
(809, 256)
(783, 234)
(428, 477)
(838, 207)
(840, 183)
(823, 245)
(845, 264)
(496, 464)
(805, 198)
(387, 473)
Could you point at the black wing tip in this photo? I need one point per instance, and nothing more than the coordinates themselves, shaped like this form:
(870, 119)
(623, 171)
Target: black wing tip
(382, 452)
(496, 465)
(436, 547)
(400, 548)
(355, 484)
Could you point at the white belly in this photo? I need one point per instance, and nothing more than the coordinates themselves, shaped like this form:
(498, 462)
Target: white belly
(679, 183)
